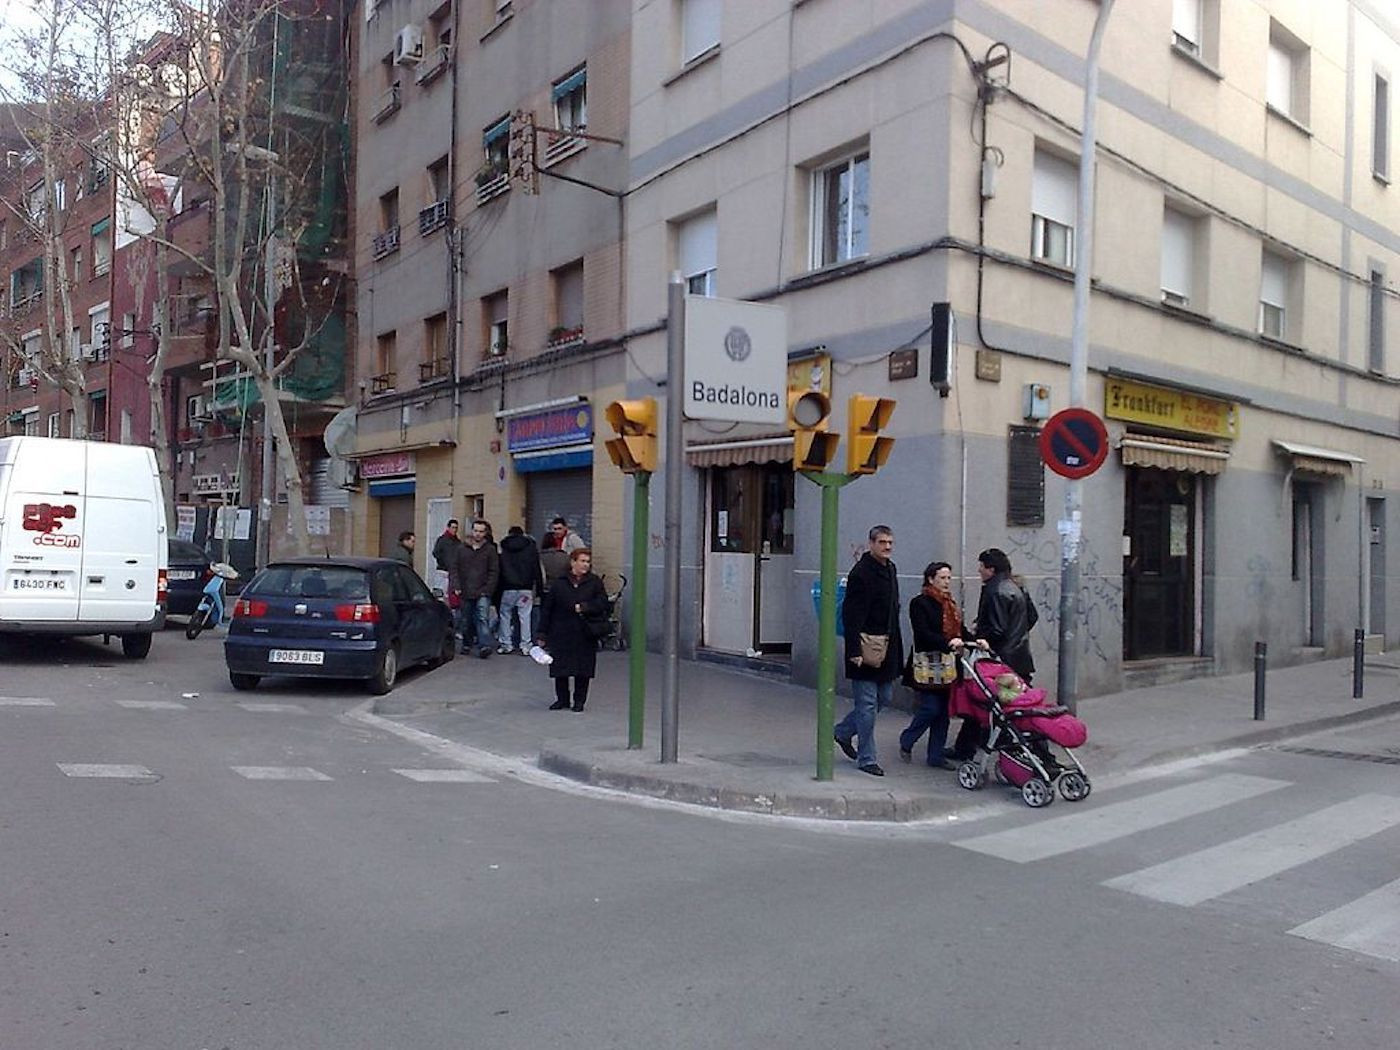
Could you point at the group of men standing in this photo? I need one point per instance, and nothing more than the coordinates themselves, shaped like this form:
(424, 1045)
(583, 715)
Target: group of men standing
(486, 581)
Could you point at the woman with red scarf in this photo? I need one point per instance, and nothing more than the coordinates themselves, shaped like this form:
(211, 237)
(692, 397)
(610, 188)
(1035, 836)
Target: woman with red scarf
(938, 628)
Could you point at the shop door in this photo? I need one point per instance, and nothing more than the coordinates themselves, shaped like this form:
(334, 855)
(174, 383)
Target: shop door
(555, 493)
(748, 562)
(1159, 600)
(395, 516)
(1376, 514)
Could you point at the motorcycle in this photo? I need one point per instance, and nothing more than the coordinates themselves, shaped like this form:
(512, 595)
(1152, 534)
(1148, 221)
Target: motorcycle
(210, 610)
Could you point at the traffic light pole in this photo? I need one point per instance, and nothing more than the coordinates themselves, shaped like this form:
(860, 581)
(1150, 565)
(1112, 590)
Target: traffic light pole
(675, 466)
(637, 618)
(831, 485)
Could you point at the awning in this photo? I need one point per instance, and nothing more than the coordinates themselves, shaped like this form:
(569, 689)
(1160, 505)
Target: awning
(397, 487)
(569, 84)
(498, 130)
(1313, 460)
(1192, 457)
(411, 446)
(564, 457)
(773, 448)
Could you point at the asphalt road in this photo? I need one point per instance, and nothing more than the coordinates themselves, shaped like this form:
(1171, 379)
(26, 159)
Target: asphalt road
(205, 900)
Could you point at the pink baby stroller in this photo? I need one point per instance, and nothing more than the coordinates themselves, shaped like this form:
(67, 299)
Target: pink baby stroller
(1030, 742)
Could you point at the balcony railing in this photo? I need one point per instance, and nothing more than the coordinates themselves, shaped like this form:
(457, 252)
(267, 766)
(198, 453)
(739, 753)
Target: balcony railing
(565, 336)
(382, 383)
(492, 185)
(431, 371)
(26, 299)
(432, 217)
(561, 144)
(386, 243)
(387, 104)
(434, 64)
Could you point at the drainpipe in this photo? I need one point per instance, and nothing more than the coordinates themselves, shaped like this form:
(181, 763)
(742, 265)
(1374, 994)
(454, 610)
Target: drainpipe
(457, 262)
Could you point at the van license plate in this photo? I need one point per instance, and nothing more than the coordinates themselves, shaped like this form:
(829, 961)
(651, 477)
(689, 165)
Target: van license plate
(39, 583)
(296, 656)
(181, 574)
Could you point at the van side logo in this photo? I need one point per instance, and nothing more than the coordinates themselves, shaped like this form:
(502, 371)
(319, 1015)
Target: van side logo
(47, 520)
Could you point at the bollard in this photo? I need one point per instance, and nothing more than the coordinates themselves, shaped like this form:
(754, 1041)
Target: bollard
(1358, 664)
(1261, 660)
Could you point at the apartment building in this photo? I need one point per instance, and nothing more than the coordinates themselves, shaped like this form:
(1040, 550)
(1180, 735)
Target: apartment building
(862, 163)
(491, 170)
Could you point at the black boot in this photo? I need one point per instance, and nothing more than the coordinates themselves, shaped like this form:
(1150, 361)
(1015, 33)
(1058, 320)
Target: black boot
(578, 705)
(559, 705)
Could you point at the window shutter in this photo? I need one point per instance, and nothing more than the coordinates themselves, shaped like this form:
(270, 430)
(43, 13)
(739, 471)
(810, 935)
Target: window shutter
(1273, 283)
(1025, 478)
(698, 249)
(1178, 243)
(1054, 186)
(1280, 79)
(700, 22)
(1186, 20)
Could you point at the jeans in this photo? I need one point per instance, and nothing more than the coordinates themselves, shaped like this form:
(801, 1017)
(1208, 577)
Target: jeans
(480, 612)
(931, 715)
(866, 700)
(511, 603)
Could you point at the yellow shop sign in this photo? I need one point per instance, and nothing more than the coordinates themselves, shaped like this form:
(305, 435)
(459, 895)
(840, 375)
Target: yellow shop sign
(1170, 409)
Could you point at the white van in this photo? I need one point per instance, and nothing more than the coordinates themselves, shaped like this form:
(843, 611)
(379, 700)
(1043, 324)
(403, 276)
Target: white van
(82, 540)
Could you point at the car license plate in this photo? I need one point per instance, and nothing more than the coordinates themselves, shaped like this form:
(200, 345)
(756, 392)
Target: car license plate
(296, 656)
(181, 574)
(38, 583)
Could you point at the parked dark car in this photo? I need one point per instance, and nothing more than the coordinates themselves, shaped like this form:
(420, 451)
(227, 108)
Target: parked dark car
(336, 618)
(188, 573)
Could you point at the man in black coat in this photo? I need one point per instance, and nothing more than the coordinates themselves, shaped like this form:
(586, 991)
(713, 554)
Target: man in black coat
(1005, 613)
(871, 608)
(521, 580)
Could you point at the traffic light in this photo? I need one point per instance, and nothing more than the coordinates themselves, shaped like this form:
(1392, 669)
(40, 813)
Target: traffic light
(814, 446)
(866, 451)
(634, 448)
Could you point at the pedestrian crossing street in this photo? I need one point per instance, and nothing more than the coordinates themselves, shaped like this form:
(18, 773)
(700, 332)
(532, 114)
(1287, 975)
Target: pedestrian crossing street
(1369, 925)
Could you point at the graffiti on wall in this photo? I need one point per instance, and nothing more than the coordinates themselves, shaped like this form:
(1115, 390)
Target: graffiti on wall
(1100, 602)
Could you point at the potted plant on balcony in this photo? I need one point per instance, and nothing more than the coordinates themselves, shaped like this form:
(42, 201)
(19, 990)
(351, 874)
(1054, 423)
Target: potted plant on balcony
(564, 335)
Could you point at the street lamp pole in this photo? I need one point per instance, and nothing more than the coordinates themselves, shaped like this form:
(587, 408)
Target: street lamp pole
(1071, 526)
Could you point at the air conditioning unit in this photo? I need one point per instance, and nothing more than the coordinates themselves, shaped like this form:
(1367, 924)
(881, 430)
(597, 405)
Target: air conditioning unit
(408, 46)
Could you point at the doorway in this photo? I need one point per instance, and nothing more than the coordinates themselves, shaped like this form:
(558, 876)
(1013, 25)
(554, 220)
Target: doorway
(395, 516)
(1375, 512)
(748, 559)
(1159, 591)
(1306, 561)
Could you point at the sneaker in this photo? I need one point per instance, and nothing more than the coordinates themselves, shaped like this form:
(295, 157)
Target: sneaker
(503, 650)
(847, 748)
(873, 769)
(905, 756)
(484, 652)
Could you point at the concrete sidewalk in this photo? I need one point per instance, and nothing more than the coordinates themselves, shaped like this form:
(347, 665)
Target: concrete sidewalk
(749, 744)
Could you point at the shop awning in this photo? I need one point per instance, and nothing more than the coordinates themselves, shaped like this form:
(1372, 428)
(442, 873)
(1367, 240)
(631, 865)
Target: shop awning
(564, 457)
(1191, 457)
(1313, 460)
(771, 448)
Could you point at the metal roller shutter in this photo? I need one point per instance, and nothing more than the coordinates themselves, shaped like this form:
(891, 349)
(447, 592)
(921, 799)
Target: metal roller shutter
(553, 492)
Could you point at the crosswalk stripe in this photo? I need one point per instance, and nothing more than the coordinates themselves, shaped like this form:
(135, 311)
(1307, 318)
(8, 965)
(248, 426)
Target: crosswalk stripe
(444, 776)
(95, 769)
(152, 705)
(25, 701)
(1369, 925)
(1093, 827)
(1212, 872)
(287, 709)
(280, 773)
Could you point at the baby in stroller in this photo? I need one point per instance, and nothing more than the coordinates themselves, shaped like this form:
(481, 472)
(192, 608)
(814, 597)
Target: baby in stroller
(1031, 740)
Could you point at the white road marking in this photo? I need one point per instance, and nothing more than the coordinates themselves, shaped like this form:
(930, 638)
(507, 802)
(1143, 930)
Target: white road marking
(1093, 827)
(1369, 925)
(1209, 873)
(93, 769)
(152, 705)
(287, 709)
(279, 773)
(25, 701)
(444, 776)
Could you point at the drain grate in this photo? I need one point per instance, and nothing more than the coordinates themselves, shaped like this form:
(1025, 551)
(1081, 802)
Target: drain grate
(1317, 752)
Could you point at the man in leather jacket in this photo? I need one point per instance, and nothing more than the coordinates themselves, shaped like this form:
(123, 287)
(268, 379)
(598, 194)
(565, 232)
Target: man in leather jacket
(1005, 613)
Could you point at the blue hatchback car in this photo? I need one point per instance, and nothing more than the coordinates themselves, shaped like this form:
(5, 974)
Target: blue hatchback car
(359, 618)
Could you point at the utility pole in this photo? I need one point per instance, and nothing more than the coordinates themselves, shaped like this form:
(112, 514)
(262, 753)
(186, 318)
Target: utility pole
(1071, 526)
(675, 455)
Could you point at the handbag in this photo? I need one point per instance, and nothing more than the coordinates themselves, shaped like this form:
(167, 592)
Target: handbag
(873, 648)
(933, 670)
(599, 626)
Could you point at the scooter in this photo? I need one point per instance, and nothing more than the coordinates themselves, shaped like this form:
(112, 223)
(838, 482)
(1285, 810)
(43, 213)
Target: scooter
(210, 610)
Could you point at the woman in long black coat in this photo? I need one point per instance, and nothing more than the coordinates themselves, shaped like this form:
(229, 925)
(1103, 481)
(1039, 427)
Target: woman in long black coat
(938, 628)
(569, 601)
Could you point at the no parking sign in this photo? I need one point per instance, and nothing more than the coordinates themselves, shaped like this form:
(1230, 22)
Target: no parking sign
(1074, 443)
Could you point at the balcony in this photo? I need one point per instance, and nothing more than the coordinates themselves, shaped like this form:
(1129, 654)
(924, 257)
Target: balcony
(432, 371)
(561, 336)
(382, 383)
(386, 243)
(434, 65)
(561, 145)
(432, 217)
(387, 104)
(491, 183)
(26, 298)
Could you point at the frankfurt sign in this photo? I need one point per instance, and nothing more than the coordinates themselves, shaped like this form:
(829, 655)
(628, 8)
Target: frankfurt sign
(735, 361)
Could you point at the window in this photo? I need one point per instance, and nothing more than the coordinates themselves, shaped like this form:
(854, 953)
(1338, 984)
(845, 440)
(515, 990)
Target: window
(35, 203)
(700, 21)
(697, 251)
(571, 102)
(841, 211)
(389, 210)
(496, 310)
(1286, 86)
(194, 409)
(101, 247)
(438, 186)
(495, 142)
(1376, 343)
(1186, 26)
(100, 321)
(75, 344)
(434, 363)
(128, 332)
(1273, 295)
(1380, 129)
(385, 353)
(439, 189)
(27, 284)
(568, 304)
(60, 195)
(1054, 207)
(76, 261)
(1178, 257)
(31, 423)
(55, 425)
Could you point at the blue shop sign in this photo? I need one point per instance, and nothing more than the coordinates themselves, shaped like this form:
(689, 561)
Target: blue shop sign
(558, 426)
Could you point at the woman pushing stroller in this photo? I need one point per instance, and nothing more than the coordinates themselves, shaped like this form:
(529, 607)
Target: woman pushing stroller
(939, 634)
